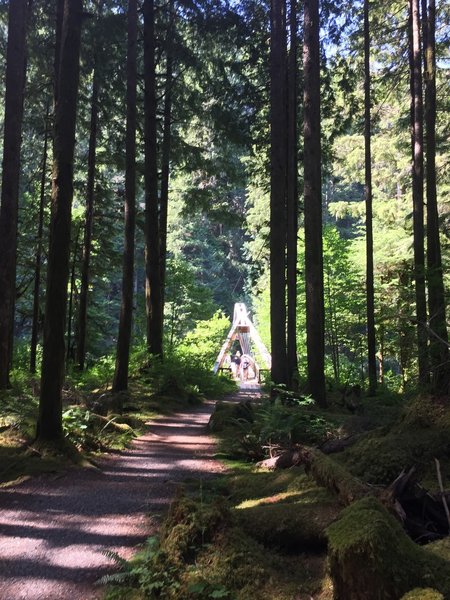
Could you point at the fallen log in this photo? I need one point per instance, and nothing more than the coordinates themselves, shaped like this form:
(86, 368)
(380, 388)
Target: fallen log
(325, 471)
(371, 557)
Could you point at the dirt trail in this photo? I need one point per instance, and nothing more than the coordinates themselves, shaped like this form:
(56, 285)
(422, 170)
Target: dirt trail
(54, 529)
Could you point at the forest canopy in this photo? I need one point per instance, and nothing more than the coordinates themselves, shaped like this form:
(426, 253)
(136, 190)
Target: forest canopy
(164, 160)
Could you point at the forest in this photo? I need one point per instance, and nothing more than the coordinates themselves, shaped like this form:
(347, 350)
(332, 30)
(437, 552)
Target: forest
(164, 160)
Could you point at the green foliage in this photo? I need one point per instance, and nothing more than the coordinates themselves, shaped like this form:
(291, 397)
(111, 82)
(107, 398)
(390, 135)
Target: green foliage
(89, 431)
(420, 434)
(185, 377)
(206, 339)
(149, 571)
(98, 374)
(269, 426)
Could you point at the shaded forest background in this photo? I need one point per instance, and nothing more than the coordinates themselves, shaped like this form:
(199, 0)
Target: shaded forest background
(211, 147)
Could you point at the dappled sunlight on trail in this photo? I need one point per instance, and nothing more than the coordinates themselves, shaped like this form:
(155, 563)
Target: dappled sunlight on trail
(54, 530)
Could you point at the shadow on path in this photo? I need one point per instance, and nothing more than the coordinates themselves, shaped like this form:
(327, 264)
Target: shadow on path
(54, 530)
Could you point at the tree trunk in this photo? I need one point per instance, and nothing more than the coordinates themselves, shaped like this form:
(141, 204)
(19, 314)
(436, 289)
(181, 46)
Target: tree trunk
(38, 257)
(439, 352)
(315, 314)
(58, 35)
(417, 190)
(88, 225)
(381, 356)
(278, 171)
(70, 354)
(14, 94)
(292, 201)
(126, 310)
(50, 406)
(152, 240)
(370, 303)
(165, 158)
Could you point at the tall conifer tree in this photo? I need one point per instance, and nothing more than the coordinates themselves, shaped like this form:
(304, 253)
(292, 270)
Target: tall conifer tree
(53, 360)
(14, 94)
(126, 309)
(417, 188)
(292, 199)
(278, 166)
(369, 212)
(439, 350)
(152, 239)
(315, 312)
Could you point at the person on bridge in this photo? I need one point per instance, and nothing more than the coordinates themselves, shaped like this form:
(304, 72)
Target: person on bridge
(245, 366)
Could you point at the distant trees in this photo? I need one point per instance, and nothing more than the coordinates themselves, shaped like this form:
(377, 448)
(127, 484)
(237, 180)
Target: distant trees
(205, 160)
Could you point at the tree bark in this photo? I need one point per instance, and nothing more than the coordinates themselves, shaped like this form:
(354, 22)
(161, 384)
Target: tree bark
(126, 310)
(152, 239)
(88, 224)
(38, 257)
(292, 201)
(417, 190)
(58, 35)
(70, 354)
(14, 95)
(165, 157)
(439, 353)
(315, 313)
(370, 303)
(278, 172)
(52, 377)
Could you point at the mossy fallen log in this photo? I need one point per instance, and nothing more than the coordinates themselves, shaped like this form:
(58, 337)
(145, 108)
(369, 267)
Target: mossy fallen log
(290, 527)
(326, 472)
(372, 558)
(423, 594)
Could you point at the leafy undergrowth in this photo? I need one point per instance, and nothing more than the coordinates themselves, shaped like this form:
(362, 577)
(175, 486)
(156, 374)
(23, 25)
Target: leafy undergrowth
(214, 543)
(94, 419)
(421, 433)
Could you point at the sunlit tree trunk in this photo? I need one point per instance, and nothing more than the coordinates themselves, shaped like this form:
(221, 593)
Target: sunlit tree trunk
(439, 352)
(315, 314)
(88, 224)
(165, 156)
(278, 171)
(126, 309)
(13, 107)
(417, 190)
(371, 360)
(152, 239)
(52, 377)
(292, 200)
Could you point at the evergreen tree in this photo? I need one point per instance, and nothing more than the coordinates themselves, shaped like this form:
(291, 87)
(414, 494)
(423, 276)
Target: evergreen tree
(14, 96)
(53, 361)
(312, 165)
(126, 309)
(278, 172)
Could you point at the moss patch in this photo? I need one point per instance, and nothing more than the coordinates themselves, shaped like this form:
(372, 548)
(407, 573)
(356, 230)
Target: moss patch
(371, 557)
(423, 594)
(244, 569)
(291, 527)
(422, 433)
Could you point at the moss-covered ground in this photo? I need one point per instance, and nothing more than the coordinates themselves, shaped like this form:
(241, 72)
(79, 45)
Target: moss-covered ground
(279, 535)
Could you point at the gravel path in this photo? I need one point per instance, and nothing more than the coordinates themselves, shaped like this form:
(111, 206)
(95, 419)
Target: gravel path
(54, 529)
